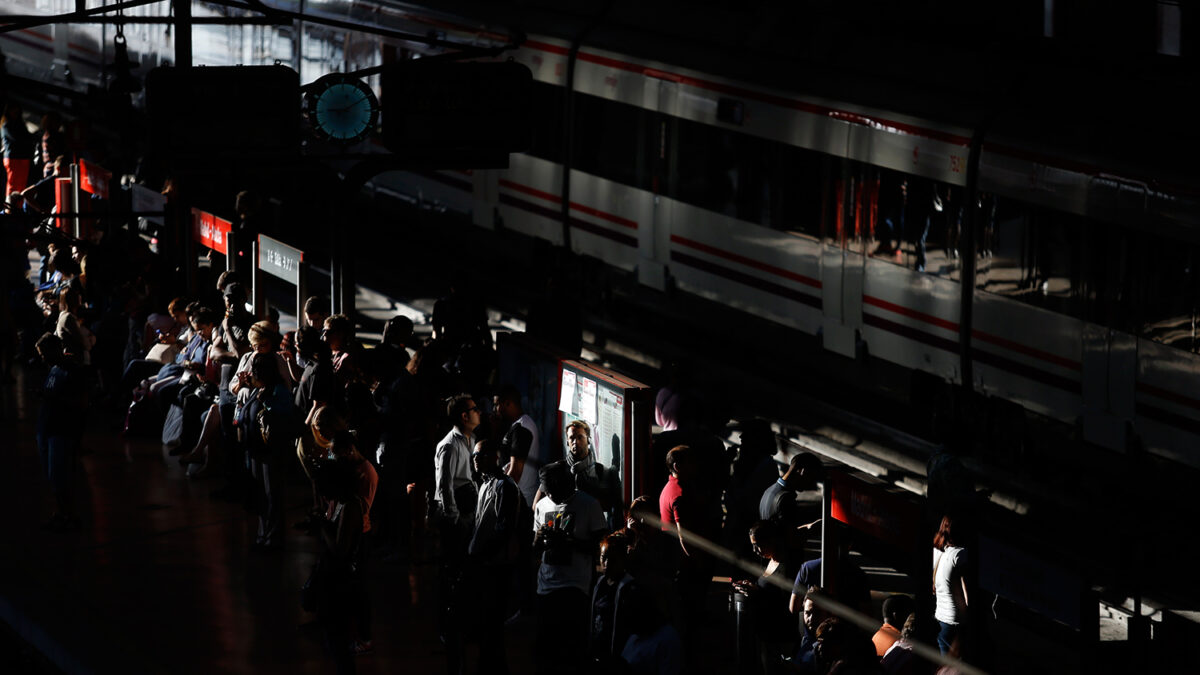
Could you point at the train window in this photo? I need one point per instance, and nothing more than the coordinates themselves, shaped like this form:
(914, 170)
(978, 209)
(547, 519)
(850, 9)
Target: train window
(1166, 291)
(613, 140)
(794, 190)
(1104, 287)
(547, 142)
(747, 177)
(719, 170)
(915, 222)
(893, 218)
(1035, 255)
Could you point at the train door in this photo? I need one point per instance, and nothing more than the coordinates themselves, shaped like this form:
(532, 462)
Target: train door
(1109, 354)
(847, 197)
(485, 190)
(1108, 379)
(654, 242)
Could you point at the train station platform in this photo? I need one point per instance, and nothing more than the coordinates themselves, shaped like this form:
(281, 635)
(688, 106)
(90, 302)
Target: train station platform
(161, 577)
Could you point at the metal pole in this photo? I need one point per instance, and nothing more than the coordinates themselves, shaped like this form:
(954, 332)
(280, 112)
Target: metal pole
(230, 251)
(183, 33)
(301, 292)
(75, 224)
(335, 304)
(298, 43)
(826, 533)
(256, 299)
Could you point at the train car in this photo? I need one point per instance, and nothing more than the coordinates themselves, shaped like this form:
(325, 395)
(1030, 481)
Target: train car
(848, 222)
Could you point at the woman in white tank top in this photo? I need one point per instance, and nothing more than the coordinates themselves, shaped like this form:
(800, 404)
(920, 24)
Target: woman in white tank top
(949, 586)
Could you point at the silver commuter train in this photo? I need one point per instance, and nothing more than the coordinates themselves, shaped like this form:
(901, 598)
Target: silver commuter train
(787, 207)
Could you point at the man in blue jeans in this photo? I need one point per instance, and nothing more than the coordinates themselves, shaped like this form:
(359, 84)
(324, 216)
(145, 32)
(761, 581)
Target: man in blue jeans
(60, 429)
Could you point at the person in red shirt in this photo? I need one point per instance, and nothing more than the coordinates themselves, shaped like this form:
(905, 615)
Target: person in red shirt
(679, 460)
(685, 509)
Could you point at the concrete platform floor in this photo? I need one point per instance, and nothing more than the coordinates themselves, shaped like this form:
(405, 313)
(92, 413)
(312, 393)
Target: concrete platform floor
(161, 578)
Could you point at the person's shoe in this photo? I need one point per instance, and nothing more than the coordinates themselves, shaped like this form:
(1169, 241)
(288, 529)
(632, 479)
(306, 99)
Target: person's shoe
(362, 648)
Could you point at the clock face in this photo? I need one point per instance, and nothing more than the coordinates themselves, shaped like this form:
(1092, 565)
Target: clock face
(343, 108)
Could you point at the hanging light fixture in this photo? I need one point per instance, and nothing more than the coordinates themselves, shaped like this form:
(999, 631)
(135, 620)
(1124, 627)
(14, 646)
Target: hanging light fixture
(123, 82)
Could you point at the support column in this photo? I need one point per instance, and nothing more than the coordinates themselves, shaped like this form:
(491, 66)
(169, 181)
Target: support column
(183, 33)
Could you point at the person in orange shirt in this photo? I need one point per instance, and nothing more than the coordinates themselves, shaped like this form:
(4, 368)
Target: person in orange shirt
(896, 609)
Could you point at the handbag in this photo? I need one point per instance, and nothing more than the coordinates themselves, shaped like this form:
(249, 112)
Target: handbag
(163, 353)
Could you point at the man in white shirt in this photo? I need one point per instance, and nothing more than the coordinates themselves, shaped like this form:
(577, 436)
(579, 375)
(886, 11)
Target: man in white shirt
(524, 462)
(568, 524)
(454, 491)
(452, 512)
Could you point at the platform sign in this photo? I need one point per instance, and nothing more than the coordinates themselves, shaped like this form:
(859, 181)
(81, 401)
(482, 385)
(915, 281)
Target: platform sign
(210, 230)
(875, 509)
(148, 201)
(279, 260)
(62, 200)
(1048, 589)
(94, 179)
(221, 228)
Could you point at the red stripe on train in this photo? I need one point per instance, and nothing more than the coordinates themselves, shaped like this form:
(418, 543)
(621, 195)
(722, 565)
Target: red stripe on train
(1168, 395)
(749, 262)
(1027, 350)
(980, 335)
(582, 208)
(910, 313)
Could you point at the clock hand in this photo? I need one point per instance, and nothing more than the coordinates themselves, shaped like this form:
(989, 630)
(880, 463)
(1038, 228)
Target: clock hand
(355, 103)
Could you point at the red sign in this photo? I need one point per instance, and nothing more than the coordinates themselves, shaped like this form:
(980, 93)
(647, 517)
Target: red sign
(877, 510)
(211, 230)
(220, 240)
(62, 200)
(94, 179)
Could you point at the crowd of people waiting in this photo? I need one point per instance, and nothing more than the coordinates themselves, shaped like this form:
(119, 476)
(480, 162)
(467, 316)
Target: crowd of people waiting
(232, 397)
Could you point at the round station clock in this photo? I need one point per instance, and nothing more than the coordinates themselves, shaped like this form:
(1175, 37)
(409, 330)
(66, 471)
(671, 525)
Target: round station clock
(342, 108)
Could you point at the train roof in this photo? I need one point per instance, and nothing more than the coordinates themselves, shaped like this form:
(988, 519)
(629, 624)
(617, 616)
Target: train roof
(1101, 115)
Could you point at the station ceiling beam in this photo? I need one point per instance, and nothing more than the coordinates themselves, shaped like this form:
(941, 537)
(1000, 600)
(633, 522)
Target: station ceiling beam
(270, 16)
(17, 22)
